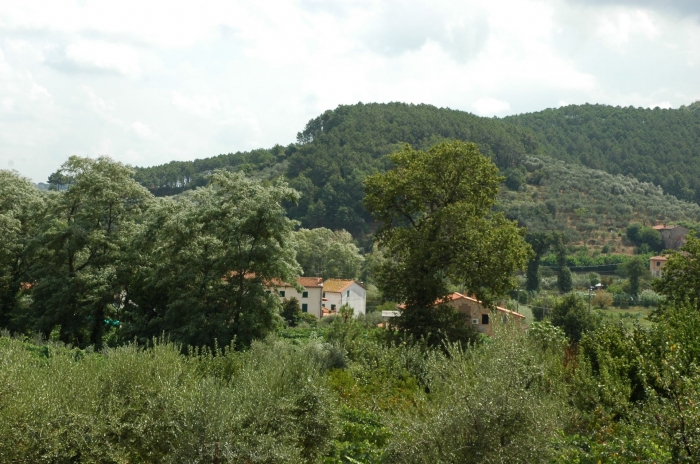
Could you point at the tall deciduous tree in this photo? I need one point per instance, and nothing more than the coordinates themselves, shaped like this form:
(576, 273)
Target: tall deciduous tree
(204, 260)
(328, 254)
(636, 269)
(540, 243)
(83, 239)
(436, 223)
(680, 283)
(21, 210)
(564, 281)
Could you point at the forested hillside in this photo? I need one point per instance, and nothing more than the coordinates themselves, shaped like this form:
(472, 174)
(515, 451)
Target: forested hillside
(338, 149)
(654, 145)
(591, 207)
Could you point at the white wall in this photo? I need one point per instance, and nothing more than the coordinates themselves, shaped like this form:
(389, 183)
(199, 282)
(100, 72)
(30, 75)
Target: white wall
(313, 300)
(354, 295)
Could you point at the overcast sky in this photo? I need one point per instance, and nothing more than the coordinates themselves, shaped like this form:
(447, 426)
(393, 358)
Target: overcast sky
(147, 82)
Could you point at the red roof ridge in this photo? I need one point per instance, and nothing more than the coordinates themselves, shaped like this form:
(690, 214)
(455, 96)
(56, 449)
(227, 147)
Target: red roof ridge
(458, 296)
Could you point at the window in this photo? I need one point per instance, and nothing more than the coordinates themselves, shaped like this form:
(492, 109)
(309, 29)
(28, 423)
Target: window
(347, 294)
(282, 293)
(658, 263)
(304, 308)
(485, 319)
(475, 321)
(304, 294)
(332, 307)
(324, 294)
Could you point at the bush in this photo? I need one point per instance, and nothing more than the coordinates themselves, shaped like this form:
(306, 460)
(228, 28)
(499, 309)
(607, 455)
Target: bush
(498, 404)
(602, 299)
(571, 314)
(269, 404)
(649, 298)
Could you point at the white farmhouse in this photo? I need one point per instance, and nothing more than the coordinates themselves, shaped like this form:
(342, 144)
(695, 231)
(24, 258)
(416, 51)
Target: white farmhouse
(337, 292)
(309, 298)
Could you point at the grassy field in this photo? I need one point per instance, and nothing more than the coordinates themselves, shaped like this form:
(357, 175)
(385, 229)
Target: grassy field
(627, 316)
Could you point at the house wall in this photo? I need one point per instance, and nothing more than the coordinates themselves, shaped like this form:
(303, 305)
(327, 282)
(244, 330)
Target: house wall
(354, 295)
(476, 312)
(655, 266)
(313, 300)
(674, 238)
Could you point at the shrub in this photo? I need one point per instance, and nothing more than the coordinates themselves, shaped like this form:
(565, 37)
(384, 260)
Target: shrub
(649, 298)
(500, 403)
(602, 299)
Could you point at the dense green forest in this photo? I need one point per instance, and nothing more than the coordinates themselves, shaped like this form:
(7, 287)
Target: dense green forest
(338, 149)
(661, 146)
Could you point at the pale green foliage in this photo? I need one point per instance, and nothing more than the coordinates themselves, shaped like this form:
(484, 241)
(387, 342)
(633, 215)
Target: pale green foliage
(498, 403)
(267, 405)
(202, 261)
(324, 253)
(21, 207)
(680, 283)
(83, 241)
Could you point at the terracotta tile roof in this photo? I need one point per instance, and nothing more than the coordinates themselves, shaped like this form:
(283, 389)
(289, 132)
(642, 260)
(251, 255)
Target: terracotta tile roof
(663, 227)
(310, 281)
(458, 296)
(339, 285)
(659, 258)
(303, 281)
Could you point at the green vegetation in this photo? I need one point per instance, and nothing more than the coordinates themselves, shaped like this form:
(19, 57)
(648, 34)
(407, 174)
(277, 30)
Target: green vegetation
(324, 253)
(128, 298)
(435, 224)
(654, 145)
(338, 149)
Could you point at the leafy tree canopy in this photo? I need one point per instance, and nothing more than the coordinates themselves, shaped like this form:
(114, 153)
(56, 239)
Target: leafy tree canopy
(680, 282)
(21, 209)
(202, 263)
(328, 254)
(434, 210)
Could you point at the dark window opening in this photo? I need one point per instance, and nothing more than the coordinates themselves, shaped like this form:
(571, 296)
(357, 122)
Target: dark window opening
(304, 294)
(304, 308)
(332, 307)
(282, 293)
(484, 319)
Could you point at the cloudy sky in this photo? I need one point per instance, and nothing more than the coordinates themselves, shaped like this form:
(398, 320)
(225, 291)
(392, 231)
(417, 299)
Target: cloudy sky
(147, 82)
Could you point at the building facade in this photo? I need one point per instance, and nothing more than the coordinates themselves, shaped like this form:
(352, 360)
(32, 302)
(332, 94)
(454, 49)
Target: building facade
(337, 292)
(479, 315)
(656, 264)
(674, 237)
(309, 298)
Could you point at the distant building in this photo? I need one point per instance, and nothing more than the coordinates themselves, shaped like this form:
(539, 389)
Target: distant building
(479, 315)
(337, 292)
(674, 237)
(656, 263)
(309, 298)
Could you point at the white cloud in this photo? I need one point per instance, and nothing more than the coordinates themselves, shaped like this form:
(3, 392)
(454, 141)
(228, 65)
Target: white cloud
(226, 75)
(491, 107)
(201, 105)
(142, 130)
(102, 56)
